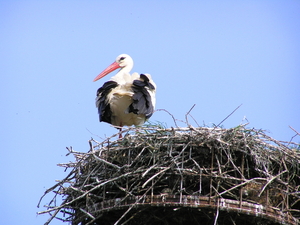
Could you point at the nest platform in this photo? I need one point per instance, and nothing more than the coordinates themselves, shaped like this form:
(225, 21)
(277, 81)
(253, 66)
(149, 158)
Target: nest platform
(181, 176)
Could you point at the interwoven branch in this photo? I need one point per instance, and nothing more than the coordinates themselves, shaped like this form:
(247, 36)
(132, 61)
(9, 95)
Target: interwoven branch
(237, 164)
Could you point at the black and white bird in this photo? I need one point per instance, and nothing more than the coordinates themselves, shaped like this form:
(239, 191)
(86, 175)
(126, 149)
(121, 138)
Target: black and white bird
(125, 99)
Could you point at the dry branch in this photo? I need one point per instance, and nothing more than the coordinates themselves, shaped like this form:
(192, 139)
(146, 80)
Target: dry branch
(238, 170)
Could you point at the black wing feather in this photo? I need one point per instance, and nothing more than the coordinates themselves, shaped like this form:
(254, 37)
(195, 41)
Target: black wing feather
(103, 106)
(142, 102)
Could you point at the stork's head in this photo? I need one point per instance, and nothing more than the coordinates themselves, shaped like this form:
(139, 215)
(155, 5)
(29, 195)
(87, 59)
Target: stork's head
(123, 61)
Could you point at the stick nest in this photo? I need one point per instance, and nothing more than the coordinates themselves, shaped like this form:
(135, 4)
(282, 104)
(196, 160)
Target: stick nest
(181, 175)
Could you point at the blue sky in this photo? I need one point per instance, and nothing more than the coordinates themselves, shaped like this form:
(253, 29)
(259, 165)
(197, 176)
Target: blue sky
(215, 54)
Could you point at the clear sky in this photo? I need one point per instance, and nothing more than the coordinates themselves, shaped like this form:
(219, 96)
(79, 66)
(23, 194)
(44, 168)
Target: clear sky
(215, 54)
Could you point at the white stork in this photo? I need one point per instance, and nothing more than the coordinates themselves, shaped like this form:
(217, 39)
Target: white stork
(125, 99)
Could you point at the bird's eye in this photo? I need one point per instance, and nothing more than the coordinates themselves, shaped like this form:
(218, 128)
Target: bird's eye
(122, 58)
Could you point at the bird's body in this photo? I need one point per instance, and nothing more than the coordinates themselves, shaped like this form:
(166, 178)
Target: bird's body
(125, 99)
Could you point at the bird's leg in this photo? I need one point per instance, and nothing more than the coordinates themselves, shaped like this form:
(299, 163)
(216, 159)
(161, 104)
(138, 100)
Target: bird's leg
(120, 133)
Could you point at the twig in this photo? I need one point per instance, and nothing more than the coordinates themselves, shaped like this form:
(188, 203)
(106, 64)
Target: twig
(155, 175)
(186, 115)
(229, 115)
(273, 178)
(217, 214)
(106, 162)
(297, 134)
(87, 213)
(295, 131)
(239, 185)
(139, 199)
(169, 114)
(83, 195)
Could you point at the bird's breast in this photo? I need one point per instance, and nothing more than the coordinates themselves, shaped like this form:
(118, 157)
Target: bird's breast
(120, 98)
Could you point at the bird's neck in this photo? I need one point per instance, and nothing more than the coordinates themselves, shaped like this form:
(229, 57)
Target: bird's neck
(123, 75)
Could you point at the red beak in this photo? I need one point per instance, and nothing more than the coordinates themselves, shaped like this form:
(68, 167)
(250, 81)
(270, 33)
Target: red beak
(108, 70)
